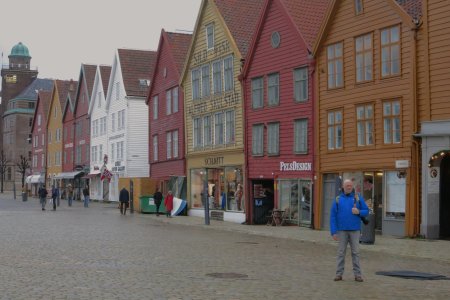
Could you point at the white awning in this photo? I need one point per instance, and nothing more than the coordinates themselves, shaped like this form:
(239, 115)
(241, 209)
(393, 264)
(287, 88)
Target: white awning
(67, 175)
(92, 174)
(34, 179)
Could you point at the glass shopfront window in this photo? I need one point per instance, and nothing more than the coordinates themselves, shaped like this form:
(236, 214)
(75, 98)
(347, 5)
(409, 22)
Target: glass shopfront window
(295, 200)
(224, 187)
(395, 195)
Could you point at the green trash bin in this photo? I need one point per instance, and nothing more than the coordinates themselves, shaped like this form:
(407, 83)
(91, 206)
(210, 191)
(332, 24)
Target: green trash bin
(148, 205)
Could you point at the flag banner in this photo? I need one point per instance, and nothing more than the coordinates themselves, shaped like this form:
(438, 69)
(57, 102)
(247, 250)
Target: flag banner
(106, 174)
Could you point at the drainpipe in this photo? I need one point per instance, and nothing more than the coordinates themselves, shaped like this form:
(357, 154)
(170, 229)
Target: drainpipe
(312, 67)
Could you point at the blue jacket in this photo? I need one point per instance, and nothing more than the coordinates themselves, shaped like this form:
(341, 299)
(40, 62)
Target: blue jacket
(341, 217)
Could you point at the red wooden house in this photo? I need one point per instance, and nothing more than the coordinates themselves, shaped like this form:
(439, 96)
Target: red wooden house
(68, 132)
(279, 103)
(166, 112)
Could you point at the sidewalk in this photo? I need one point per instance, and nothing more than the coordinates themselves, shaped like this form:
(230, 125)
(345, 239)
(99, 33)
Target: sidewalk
(420, 248)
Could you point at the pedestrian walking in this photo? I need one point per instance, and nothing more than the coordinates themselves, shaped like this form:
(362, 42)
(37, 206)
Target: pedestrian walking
(168, 203)
(70, 194)
(124, 198)
(238, 196)
(345, 226)
(157, 197)
(86, 196)
(42, 196)
(55, 195)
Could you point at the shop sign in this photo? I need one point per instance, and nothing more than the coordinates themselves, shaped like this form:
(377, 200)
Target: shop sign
(212, 161)
(118, 169)
(402, 164)
(216, 103)
(295, 166)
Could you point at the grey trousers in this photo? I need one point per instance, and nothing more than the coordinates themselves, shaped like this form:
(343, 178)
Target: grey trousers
(348, 237)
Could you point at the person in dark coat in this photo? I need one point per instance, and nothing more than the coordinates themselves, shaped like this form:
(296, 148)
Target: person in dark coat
(86, 196)
(124, 198)
(43, 196)
(168, 203)
(157, 197)
(55, 194)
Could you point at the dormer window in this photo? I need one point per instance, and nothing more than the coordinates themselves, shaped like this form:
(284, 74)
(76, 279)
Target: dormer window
(358, 7)
(210, 36)
(144, 82)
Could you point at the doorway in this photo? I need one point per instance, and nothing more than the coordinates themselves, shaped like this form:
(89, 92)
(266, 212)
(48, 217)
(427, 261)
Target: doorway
(444, 198)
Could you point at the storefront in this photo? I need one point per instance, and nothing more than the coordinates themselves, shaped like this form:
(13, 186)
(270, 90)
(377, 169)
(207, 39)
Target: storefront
(62, 180)
(217, 182)
(34, 181)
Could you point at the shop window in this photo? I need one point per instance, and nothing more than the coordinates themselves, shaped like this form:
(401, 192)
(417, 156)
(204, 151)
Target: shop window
(390, 51)
(364, 54)
(335, 62)
(395, 194)
(364, 116)
(234, 189)
(335, 130)
(197, 179)
(391, 122)
(295, 200)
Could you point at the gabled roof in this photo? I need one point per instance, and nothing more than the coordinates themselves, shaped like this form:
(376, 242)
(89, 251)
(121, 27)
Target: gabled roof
(87, 76)
(136, 65)
(105, 72)
(69, 104)
(30, 92)
(63, 87)
(44, 99)
(406, 9)
(178, 45)
(241, 17)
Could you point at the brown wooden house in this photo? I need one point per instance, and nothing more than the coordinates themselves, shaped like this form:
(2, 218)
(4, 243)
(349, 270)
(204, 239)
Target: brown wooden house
(367, 110)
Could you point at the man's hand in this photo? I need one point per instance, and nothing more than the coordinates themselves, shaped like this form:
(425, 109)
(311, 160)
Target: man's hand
(335, 237)
(355, 210)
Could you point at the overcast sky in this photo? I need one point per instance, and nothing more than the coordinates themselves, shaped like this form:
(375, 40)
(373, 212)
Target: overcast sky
(61, 34)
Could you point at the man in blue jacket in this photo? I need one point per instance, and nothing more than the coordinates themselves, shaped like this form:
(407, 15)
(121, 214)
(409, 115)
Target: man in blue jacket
(345, 225)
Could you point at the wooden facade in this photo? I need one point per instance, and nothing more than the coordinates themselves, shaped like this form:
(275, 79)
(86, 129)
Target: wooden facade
(378, 96)
(166, 110)
(68, 135)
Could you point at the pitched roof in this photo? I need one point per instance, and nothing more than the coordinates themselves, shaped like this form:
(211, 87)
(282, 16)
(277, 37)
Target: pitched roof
(89, 77)
(31, 91)
(241, 18)
(179, 43)
(105, 72)
(64, 88)
(412, 7)
(307, 15)
(44, 99)
(136, 65)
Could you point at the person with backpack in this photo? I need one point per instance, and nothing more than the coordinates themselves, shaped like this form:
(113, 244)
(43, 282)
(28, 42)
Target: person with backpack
(345, 227)
(43, 196)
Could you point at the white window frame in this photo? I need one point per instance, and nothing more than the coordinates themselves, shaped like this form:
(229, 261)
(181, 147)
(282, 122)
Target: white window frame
(228, 73)
(206, 80)
(273, 138)
(258, 139)
(210, 35)
(301, 136)
(258, 99)
(196, 86)
(273, 89)
(155, 107)
(217, 77)
(155, 148)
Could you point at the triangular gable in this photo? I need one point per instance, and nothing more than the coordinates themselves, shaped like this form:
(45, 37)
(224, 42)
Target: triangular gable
(43, 101)
(407, 19)
(115, 71)
(86, 77)
(99, 82)
(68, 106)
(60, 87)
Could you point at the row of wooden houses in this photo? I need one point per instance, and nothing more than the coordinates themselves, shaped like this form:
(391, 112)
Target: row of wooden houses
(271, 104)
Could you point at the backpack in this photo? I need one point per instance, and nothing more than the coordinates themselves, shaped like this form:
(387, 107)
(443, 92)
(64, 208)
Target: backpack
(363, 219)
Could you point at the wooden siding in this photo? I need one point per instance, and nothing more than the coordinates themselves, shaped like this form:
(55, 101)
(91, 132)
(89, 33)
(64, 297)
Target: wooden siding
(68, 133)
(81, 116)
(224, 46)
(291, 54)
(53, 124)
(165, 123)
(136, 152)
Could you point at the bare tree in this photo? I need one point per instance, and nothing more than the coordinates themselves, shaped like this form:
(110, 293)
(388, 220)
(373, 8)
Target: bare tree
(23, 165)
(3, 166)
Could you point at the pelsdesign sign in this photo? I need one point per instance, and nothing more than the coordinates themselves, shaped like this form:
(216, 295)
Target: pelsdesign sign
(295, 166)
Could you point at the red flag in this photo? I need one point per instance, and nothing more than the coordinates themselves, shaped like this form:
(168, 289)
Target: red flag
(106, 174)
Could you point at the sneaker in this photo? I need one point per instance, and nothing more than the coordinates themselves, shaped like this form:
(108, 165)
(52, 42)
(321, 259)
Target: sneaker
(359, 279)
(338, 278)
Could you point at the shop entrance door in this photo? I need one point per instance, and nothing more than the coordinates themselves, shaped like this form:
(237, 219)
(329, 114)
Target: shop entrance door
(444, 201)
(215, 189)
(295, 200)
(331, 184)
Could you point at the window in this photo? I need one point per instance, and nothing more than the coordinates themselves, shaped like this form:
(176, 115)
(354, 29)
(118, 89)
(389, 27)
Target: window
(120, 150)
(363, 49)
(113, 122)
(301, 136)
(8, 173)
(49, 137)
(42, 159)
(195, 84)
(65, 157)
(218, 129)
(229, 127)
(79, 151)
(390, 51)
(258, 140)
(210, 36)
(228, 73)
(93, 154)
(168, 102)
(206, 85)
(155, 107)
(358, 7)
(274, 89)
(155, 148)
(121, 119)
(99, 99)
(301, 84)
(100, 153)
(175, 143)
(335, 130)
(198, 138)
(117, 86)
(391, 122)
(55, 112)
(395, 195)
(364, 117)
(207, 129)
(257, 93)
(335, 66)
(43, 140)
(175, 100)
(103, 126)
(217, 77)
(273, 138)
(39, 120)
(113, 151)
(169, 145)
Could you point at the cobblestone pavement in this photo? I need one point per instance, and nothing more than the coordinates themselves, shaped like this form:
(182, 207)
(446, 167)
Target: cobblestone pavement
(96, 253)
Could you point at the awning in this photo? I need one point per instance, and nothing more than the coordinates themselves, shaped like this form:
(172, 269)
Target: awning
(34, 179)
(67, 175)
(91, 175)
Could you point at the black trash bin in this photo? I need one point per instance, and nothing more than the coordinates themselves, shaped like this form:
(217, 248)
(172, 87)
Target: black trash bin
(259, 215)
(368, 231)
(24, 196)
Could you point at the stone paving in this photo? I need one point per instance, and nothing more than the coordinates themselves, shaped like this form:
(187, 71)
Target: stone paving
(96, 253)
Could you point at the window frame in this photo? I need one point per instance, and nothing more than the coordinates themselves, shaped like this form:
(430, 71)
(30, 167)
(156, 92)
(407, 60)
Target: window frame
(365, 120)
(298, 83)
(298, 137)
(335, 126)
(276, 86)
(273, 144)
(259, 88)
(258, 141)
(359, 7)
(390, 44)
(155, 107)
(334, 60)
(392, 117)
(207, 26)
(363, 53)
(228, 73)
